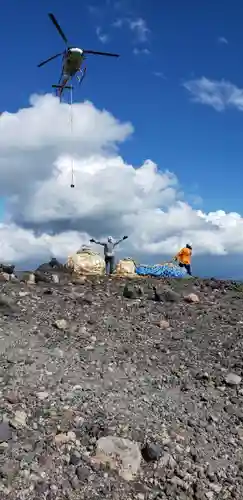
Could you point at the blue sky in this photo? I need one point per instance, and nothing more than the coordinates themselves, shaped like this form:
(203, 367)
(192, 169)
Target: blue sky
(166, 49)
(201, 146)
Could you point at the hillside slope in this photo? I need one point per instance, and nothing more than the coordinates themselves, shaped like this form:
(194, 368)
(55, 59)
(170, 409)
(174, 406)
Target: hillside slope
(80, 362)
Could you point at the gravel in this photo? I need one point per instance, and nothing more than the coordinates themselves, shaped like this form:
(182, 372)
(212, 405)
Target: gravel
(107, 367)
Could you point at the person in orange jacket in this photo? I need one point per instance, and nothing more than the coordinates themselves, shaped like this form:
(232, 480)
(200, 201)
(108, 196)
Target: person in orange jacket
(184, 258)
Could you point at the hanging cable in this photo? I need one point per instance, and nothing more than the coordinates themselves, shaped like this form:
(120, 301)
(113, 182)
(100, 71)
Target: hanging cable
(71, 131)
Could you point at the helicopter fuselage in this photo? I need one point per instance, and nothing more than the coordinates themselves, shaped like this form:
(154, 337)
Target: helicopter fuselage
(72, 62)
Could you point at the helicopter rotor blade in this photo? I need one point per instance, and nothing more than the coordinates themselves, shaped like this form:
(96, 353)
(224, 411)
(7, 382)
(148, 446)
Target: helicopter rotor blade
(50, 59)
(58, 27)
(100, 53)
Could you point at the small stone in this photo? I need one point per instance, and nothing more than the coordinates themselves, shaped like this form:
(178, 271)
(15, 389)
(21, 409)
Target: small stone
(7, 304)
(5, 432)
(80, 280)
(13, 278)
(83, 473)
(216, 487)
(19, 420)
(192, 298)
(71, 436)
(163, 324)
(41, 487)
(42, 395)
(61, 324)
(3, 446)
(12, 397)
(23, 294)
(129, 292)
(65, 438)
(61, 439)
(55, 278)
(87, 299)
(151, 452)
(4, 277)
(232, 379)
(209, 495)
(167, 460)
(165, 295)
(75, 458)
(122, 455)
(75, 483)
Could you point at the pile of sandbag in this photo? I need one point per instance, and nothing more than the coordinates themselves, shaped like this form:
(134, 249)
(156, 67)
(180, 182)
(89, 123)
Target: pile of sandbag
(86, 261)
(125, 267)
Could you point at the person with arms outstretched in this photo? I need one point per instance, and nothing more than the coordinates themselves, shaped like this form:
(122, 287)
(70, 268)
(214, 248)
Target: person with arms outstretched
(109, 252)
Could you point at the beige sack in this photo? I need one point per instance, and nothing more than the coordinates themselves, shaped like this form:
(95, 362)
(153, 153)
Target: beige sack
(125, 267)
(85, 261)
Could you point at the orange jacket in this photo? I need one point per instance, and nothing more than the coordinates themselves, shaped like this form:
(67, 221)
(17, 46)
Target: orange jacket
(184, 256)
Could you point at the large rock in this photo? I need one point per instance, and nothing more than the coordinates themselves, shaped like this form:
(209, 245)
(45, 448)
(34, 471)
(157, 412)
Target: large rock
(45, 272)
(7, 268)
(49, 267)
(122, 455)
(85, 261)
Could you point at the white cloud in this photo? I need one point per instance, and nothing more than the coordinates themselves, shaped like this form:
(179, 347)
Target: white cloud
(222, 40)
(103, 37)
(140, 28)
(159, 74)
(217, 94)
(44, 216)
(137, 26)
(21, 244)
(138, 52)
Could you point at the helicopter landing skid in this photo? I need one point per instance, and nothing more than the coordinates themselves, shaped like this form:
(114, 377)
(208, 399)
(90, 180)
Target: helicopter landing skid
(82, 75)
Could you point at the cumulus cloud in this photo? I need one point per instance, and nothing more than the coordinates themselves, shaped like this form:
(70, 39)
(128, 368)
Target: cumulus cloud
(45, 217)
(220, 95)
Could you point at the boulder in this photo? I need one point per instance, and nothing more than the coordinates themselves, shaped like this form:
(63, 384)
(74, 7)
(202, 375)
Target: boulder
(7, 268)
(45, 272)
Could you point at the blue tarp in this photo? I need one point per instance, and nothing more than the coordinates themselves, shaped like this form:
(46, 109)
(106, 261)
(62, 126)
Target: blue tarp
(162, 271)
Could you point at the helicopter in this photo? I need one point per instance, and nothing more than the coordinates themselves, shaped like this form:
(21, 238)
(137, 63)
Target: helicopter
(72, 61)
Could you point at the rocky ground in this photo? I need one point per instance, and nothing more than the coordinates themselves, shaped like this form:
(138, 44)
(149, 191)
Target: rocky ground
(85, 364)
